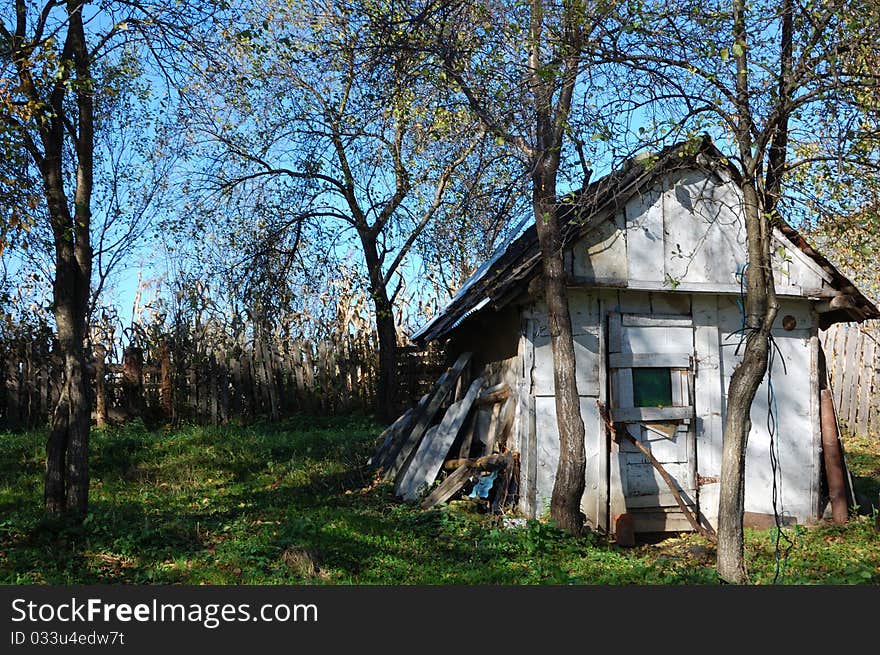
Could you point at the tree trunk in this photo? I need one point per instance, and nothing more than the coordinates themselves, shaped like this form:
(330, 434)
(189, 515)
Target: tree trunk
(67, 470)
(760, 309)
(568, 487)
(78, 439)
(387, 386)
(386, 329)
(55, 488)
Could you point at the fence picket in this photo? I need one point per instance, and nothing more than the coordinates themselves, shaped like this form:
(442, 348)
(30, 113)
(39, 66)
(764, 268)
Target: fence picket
(168, 382)
(853, 352)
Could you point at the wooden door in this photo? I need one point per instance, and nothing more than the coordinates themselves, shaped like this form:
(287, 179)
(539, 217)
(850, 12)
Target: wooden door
(650, 359)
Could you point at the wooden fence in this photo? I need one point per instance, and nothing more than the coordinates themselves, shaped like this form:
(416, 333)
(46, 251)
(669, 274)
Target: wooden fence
(162, 382)
(852, 353)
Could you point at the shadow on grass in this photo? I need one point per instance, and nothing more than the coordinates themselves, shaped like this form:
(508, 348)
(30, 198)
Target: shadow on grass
(290, 503)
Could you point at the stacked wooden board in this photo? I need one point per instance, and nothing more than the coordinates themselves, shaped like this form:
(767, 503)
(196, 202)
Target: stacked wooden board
(457, 431)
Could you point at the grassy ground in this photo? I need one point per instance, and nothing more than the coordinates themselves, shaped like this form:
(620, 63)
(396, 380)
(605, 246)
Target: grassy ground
(291, 503)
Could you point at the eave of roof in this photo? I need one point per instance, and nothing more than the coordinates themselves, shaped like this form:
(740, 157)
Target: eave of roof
(501, 278)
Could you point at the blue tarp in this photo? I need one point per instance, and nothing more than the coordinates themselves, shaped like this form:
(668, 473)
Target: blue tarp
(484, 485)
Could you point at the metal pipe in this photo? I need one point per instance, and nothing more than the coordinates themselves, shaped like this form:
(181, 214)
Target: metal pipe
(833, 458)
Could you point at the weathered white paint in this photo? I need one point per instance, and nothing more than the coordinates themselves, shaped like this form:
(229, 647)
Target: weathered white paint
(603, 254)
(655, 320)
(602, 437)
(804, 271)
(584, 312)
(644, 237)
(707, 404)
(634, 302)
(706, 235)
(524, 417)
(815, 422)
(687, 233)
(667, 360)
(651, 413)
(667, 449)
(792, 385)
(584, 309)
(547, 432)
(639, 340)
(586, 351)
(670, 303)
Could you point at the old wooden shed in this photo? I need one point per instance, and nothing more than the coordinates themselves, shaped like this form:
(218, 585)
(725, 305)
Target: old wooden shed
(655, 254)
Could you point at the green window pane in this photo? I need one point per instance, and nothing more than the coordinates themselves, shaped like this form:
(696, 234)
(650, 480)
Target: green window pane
(652, 387)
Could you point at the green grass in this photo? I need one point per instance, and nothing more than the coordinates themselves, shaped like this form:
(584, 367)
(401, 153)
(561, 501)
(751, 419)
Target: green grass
(292, 503)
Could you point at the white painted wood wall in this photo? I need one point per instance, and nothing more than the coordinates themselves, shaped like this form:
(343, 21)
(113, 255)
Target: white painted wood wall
(686, 234)
(677, 249)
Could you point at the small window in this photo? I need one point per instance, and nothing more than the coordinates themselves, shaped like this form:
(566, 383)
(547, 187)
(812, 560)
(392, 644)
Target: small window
(652, 387)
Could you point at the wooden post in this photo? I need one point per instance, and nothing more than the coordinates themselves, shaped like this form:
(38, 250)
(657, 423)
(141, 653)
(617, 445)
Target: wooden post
(223, 382)
(268, 376)
(237, 406)
(247, 386)
(12, 390)
(837, 356)
(308, 373)
(213, 390)
(850, 401)
(866, 380)
(133, 380)
(166, 385)
(100, 355)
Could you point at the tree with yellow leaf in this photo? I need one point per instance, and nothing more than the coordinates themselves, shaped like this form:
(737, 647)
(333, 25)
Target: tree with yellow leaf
(50, 89)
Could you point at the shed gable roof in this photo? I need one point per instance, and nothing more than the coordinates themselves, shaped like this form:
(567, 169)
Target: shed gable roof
(504, 276)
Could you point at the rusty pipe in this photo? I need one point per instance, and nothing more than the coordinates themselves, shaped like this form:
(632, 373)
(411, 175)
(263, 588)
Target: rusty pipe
(833, 458)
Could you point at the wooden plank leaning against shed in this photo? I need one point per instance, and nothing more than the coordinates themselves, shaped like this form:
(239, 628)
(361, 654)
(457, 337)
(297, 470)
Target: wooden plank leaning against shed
(391, 432)
(483, 428)
(502, 421)
(427, 459)
(404, 477)
(464, 448)
(441, 390)
(393, 441)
